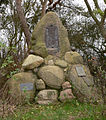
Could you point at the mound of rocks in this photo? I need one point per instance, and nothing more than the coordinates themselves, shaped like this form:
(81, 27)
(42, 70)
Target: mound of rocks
(48, 83)
(52, 72)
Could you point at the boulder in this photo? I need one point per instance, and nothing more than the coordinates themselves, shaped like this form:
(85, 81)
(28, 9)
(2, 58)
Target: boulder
(66, 95)
(47, 96)
(40, 85)
(66, 85)
(53, 76)
(83, 85)
(32, 62)
(73, 58)
(61, 63)
(41, 34)
(22, 86)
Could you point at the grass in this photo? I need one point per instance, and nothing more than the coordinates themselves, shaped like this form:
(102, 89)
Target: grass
(62, 111)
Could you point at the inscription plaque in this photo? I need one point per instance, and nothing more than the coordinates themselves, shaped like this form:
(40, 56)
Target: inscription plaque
(80, 71)
(51, 38)
(26, 86)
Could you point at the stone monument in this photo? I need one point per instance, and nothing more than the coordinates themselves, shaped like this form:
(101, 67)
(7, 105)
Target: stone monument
(49, 73)
(50, 36)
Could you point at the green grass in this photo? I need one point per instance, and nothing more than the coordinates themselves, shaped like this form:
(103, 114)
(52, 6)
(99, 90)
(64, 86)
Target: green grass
(64, 111)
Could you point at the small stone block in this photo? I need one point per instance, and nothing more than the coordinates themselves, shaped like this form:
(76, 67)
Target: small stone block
(40, 85)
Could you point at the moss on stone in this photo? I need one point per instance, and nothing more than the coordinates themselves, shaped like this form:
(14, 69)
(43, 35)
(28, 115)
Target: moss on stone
(38, 35)
(73, 58)
(40, 49)
(15, 90)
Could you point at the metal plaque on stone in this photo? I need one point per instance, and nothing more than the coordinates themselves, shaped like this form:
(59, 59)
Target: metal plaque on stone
(26, 86)
(52, 38)
(80, 71)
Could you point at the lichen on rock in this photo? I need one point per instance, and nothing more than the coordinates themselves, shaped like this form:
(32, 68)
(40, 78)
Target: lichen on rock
(38, 35)
(32, 61)
(18, 87)
(53, 76)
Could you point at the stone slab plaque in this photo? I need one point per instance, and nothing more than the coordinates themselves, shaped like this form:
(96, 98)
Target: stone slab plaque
(51, 37)
(26, 86)
(80, 71)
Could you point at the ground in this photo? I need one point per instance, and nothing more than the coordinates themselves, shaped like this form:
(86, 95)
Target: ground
(61, 111)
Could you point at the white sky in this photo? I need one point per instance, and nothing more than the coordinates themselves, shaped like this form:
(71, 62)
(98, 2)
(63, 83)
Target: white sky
(82, 3)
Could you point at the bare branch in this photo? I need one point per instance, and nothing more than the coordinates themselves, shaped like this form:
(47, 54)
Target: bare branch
(91, 12)
(23, 22)
(97, 6)
(44, 4)
(103, 17)
(54, 5)
(45, 1)
(105, 1)
(41, 2)
(50, 2)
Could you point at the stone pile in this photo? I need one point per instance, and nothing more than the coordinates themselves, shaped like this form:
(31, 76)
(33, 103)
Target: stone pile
(51, 79)
(52, 72)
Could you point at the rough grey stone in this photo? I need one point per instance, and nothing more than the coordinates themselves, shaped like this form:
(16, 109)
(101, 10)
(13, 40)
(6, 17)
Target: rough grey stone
(66, 95)
(83, 86)
(32, 62)
(53, 76)
(22, 86)
(40, 85)
(61, 63)
(47, 96)
(73, 58)
(66, 85)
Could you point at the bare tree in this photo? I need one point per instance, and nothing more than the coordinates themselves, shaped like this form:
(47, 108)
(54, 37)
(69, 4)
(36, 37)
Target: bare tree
(51, 3)
(23, 22)
(100, 23)
(44, 4)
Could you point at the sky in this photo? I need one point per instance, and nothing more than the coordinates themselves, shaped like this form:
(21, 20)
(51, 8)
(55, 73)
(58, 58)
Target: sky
(82, 3)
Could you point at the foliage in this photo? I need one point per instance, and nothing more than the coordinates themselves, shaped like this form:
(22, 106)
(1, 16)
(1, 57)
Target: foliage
(13, 48)
(3, 2)
(99, 72)
(86, 37)
(61, 111)
(84, 33)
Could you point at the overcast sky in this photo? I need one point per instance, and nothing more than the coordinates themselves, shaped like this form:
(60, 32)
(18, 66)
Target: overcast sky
(82, 3)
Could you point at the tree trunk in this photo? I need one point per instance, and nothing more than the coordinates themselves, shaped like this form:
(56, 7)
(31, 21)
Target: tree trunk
(43, 7)
(43, 10)
(23, 22)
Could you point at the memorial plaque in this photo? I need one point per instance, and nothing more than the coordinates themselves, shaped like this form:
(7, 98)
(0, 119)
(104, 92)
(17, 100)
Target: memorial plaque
(51, 37)
(80, 71)
(26, 86)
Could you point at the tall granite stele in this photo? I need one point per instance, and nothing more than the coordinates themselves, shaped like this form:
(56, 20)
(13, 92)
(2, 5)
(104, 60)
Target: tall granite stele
(50, 36)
